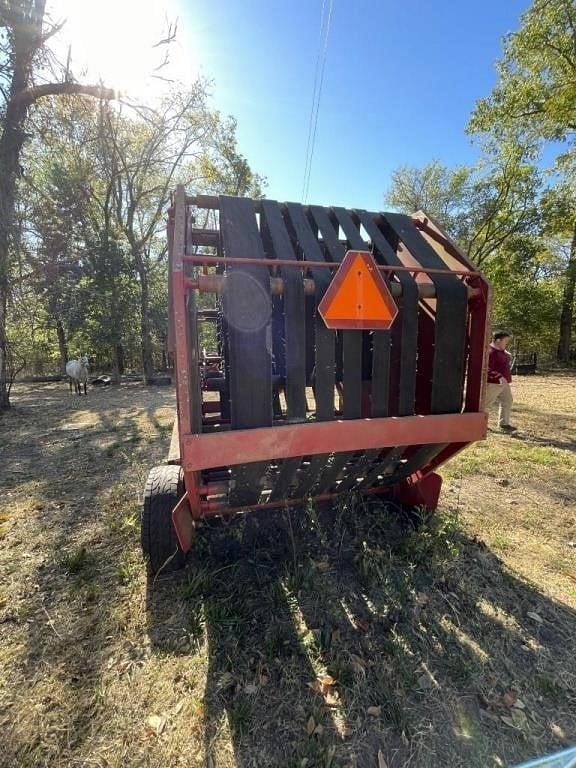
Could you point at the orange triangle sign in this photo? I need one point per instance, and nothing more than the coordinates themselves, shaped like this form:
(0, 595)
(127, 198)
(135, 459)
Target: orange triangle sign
(358, 297)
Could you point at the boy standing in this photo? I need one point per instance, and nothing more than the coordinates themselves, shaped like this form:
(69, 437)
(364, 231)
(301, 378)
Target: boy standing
(499, 378)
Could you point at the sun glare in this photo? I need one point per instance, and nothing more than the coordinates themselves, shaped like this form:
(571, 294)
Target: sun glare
(116, 41)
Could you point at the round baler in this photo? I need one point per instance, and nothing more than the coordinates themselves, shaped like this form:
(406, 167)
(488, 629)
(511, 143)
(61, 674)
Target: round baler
(317, 351)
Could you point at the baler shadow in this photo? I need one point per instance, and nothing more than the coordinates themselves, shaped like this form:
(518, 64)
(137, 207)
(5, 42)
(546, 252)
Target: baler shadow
(415, 638)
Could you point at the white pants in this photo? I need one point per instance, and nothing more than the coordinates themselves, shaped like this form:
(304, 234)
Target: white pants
(503, 394)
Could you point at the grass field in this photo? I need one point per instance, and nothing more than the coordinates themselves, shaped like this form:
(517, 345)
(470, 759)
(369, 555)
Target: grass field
(327, 637)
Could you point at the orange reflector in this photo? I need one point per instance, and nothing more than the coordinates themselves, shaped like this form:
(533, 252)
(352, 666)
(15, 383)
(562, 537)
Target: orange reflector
(358, 297)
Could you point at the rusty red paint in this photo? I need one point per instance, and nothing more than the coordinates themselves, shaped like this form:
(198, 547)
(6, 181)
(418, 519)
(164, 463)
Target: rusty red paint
(264, 443)
(214, 260)
(183, 523)
(423, 492)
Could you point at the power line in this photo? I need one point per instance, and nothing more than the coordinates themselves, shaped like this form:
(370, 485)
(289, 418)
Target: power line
(325, 21)
(313, 105)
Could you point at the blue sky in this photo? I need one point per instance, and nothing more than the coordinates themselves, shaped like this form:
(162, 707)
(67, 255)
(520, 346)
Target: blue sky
(401, 79)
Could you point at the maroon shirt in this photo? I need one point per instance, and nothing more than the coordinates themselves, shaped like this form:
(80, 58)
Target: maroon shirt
(498, 365)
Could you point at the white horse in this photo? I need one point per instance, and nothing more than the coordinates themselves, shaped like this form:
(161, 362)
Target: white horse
(77, 371)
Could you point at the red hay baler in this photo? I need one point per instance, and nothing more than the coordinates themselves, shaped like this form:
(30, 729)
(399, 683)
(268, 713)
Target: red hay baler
(317, 351)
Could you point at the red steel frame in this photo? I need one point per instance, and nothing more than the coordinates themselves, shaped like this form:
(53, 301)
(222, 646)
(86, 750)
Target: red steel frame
(204, 451)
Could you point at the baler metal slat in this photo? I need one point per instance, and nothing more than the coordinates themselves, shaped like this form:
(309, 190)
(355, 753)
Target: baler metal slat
(244, 304)
(451, 317)
(351, 340)
(284, 479)
(325, 340)
(309, 476)
(404, 334)
(380, 338)
(333, 469)
(277, 242)
(380, 384)
(388, 460)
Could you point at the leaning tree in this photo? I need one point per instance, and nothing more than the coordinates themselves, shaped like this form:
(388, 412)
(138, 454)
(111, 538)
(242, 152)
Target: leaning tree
(25, 77)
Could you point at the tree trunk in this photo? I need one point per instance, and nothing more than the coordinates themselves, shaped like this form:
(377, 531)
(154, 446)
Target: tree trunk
(117, 362)
(62, 346)
(120, 356)
(115, 365)
(4, 384)
(145, 325)
(567, 314)
(11, 142)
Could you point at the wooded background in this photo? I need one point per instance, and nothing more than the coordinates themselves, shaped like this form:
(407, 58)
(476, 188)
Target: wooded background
(86, 177)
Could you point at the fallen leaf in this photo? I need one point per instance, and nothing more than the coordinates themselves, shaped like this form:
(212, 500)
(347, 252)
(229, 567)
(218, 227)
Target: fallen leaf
(155, 724)
(332, 699)
(519, 718)
(374, 711)
(535, 617)
(381, 762)
(318, 731)
(507, 720)
(323, 566)
(509, 699)
(251, 689)
(178, 708)
(226, 681)
(427, 682)
(264, 679)
(519, 704)
(310, 725)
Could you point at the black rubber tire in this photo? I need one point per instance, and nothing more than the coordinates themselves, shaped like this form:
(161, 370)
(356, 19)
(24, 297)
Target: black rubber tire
(164, 488)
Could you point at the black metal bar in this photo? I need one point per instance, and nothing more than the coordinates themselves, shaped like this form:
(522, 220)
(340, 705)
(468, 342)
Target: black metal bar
(409, 314)
(324, 369)
(351, 340)
(451, 317)
(335, 465)
(284, 479)
(277, 241)
(247, 308)
(309, 476)
(384, 468)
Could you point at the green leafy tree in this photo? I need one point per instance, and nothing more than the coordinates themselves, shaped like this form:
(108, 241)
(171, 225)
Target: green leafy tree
(480, 207)
(559, 213)
(24, 36)
(145, 154)
(534, 103)
(495, 213)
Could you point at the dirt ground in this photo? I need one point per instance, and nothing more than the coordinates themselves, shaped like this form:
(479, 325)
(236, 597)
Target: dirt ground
(325, 637)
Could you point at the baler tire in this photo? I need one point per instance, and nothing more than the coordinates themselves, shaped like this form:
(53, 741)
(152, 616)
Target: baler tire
(163, 490)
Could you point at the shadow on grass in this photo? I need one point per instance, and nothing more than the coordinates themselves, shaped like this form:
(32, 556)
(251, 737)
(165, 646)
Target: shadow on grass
(421, 642)
(66, 567)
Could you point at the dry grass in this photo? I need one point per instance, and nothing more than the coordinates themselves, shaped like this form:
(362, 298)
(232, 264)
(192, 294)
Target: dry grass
(428, 636)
